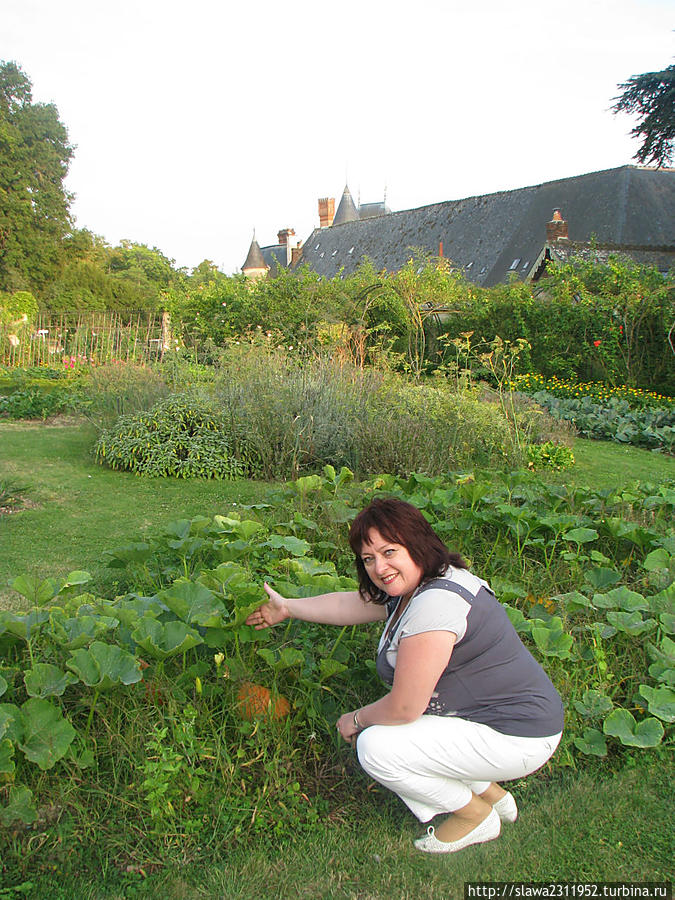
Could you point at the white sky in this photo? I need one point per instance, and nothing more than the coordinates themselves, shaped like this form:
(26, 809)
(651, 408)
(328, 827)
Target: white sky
(195, 122)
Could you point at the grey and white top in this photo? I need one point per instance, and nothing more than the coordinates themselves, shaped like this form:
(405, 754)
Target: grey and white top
(492, 677)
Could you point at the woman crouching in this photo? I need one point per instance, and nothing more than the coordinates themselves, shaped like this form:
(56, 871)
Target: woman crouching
(469, 706)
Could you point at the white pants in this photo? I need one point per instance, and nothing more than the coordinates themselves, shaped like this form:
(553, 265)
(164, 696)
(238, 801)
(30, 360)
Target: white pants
(435, 763)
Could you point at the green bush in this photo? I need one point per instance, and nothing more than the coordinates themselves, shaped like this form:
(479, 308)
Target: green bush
(549, 456)
(120, 389)
(180, 436)
(38, 402)
(301, 414)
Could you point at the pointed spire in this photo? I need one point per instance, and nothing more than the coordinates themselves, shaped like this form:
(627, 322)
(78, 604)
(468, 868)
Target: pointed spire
(346, 211)
(255, 259)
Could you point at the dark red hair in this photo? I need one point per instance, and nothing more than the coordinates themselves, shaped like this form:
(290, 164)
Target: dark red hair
(401, 523)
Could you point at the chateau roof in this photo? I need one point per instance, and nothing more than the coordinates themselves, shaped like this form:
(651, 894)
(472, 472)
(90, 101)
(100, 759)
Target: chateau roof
(346, 211)
(255, 259)
(496, 235)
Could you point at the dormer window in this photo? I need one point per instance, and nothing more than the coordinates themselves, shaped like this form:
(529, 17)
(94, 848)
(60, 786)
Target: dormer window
(514, 264)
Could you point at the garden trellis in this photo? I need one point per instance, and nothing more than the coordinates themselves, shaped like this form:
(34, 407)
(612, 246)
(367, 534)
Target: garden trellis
(96, 337)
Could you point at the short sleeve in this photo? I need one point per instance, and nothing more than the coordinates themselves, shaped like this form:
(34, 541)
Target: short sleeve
(435, 610)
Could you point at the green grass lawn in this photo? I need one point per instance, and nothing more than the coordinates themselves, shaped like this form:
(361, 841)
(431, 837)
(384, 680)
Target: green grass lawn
(575, 827)
(610, 464)
(76, 508)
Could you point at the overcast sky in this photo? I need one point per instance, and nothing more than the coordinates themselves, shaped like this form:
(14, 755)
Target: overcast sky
(196, 122)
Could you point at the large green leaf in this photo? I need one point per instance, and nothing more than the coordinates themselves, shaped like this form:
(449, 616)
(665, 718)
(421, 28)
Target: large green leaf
(574, 601)
(230, 551)
(225, 525)
(308, 483)
(46, 733)
(593, 703)
(24, 626)
(36, 590)
(46, 680)
(295, 546)
(79, 631)
(622, 725)
(330, 667)
(518, 620)
(551, 639)
(581, 535)
(663, 601)
(163, 640)
(305, 565)
(631, 622)
(601, 578)
(7, 764)
(103, 666)
(286, 659)
(621, 598)
(660, 701)
(664, 653)
(20, 808)
(657, 559)
(662, 673)
(179, 529)
(246, 529)
(75, 579)
(131, 609)
(120, 557)
(228, 576)
(194, 603)
(11, 722)
(592, 743)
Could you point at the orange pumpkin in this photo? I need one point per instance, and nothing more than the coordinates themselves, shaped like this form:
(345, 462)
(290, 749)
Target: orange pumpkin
(255, 700)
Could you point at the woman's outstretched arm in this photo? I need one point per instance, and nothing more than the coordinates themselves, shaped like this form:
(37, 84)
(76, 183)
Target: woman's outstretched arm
(338, 608)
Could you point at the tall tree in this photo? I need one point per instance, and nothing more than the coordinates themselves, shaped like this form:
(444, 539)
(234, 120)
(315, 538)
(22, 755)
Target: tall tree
(34, 204)
(652, 98)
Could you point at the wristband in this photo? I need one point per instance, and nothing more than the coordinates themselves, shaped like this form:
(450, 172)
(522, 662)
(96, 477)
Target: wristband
(357, 724)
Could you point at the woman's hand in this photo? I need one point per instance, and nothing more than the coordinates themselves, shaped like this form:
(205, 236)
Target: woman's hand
(271, 613)
(345, 725)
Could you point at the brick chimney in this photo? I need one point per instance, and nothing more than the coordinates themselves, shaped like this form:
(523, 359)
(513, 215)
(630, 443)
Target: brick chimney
(326, 211)
(556, 229)
(296, 253)
(284, 237)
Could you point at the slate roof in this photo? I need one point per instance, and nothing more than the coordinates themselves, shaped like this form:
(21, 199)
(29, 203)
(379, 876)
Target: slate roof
(485, 235)
(275, 256)
(379, 208)
(346, 211)
(255, 258)
(661, 258)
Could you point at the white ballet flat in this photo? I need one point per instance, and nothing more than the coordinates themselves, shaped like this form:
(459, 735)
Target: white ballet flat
(506, 808)
(488, 830)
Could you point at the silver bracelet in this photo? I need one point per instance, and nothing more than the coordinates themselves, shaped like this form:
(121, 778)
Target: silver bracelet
(357, 724)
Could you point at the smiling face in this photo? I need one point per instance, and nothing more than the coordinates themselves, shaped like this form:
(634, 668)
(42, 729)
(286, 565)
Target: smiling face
(389, 565)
